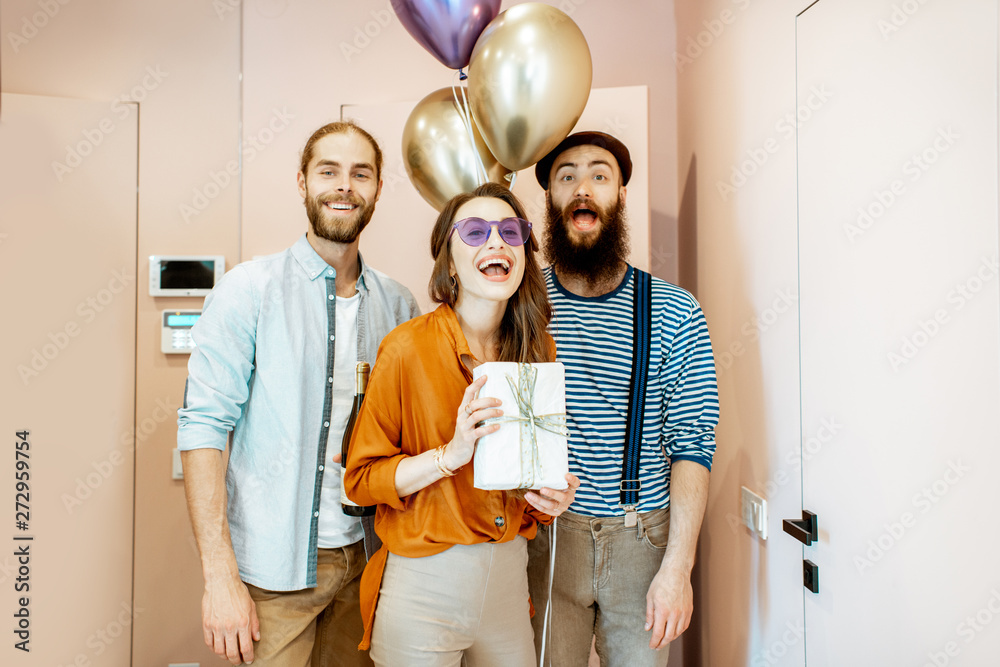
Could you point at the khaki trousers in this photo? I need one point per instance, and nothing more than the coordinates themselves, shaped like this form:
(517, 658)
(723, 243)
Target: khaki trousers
(315, 627)
(467, 605)
(602, 573)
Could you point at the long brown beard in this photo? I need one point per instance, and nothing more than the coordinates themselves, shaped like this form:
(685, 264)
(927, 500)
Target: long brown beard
(598, 261)
(338, 231)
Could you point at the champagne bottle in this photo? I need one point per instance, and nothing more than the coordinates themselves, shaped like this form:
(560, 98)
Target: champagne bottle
(361, 378)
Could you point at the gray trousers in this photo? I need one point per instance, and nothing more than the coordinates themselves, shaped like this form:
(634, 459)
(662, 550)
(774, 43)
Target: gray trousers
(602, 573)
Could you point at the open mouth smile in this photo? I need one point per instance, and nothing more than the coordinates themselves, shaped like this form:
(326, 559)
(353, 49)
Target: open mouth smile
(584, 219)
(340, 206)
(494, 268)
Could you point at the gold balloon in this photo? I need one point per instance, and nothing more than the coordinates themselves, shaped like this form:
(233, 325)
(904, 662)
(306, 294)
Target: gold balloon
(437, 152)
(529, 81)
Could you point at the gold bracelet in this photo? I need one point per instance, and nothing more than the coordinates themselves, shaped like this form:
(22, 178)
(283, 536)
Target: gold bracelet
(439, 462)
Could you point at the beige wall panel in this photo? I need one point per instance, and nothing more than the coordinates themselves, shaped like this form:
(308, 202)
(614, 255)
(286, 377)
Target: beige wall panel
(68, 270)
(180, 61)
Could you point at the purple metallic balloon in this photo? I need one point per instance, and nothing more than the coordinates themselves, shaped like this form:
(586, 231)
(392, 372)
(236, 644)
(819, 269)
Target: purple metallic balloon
(447, 28)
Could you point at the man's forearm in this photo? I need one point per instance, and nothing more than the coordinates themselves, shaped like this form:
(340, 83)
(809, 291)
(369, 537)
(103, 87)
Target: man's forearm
(205, 488)
(688, 498)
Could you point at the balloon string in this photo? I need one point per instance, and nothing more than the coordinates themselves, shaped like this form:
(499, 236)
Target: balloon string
(466, 114)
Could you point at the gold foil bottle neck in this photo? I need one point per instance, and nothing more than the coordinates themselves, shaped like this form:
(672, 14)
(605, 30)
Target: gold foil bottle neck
(362, 372)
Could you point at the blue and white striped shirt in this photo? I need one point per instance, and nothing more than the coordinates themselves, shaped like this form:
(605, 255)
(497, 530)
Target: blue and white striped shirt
(594, 337)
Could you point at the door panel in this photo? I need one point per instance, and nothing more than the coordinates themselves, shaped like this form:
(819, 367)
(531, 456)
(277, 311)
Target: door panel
(900, 328)
(68, 273)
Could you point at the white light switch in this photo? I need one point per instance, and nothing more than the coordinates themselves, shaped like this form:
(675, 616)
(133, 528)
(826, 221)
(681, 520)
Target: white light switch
(178, 471)
(754, 511)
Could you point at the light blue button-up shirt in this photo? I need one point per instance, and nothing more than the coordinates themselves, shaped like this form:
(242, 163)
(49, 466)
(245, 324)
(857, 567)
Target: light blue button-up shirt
(263, 370)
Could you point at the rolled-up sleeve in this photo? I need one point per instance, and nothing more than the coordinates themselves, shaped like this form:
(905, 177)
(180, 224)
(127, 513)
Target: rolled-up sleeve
(375, 452)
(219, 369)
(692, 397)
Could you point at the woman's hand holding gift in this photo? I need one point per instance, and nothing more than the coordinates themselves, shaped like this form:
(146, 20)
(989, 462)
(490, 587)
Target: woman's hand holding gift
(471, 412)
(552, 501)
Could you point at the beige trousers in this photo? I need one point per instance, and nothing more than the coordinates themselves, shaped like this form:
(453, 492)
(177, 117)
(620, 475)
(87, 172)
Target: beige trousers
(315, 627)
(467, 605)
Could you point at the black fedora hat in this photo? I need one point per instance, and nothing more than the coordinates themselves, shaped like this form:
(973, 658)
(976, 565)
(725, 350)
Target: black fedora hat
(544, 167)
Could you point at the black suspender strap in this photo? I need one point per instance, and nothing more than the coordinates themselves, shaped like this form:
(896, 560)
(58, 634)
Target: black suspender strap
(642, 307)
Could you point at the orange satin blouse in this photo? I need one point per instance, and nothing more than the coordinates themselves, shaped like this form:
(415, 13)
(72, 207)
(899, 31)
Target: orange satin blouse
(410, 407)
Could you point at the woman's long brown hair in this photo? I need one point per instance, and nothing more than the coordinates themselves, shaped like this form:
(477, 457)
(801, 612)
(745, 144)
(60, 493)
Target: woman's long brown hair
(521, 336)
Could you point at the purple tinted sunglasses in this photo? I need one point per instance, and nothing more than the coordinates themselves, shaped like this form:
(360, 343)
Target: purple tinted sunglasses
(475, 231)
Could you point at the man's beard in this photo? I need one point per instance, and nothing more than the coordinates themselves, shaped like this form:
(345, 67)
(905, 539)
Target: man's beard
(342, 229)
(598, 260)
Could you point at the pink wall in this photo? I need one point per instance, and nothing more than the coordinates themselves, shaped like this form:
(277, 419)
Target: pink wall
(736, 85)
(182, 61)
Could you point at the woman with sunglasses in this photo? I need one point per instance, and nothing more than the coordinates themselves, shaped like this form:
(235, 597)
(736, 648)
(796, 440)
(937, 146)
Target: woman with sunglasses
(450, 579)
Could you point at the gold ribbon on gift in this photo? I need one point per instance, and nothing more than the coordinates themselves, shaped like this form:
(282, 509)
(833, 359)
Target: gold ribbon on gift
(529, 422)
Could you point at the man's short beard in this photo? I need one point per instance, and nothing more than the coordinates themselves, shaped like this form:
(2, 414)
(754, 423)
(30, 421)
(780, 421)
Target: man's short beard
(343, 231)
(597, 262)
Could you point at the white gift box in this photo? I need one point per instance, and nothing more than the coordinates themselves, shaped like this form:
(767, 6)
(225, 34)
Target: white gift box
(530, 449)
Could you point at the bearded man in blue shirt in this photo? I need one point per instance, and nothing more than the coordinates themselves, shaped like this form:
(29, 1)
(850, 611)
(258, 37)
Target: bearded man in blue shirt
(274, 366)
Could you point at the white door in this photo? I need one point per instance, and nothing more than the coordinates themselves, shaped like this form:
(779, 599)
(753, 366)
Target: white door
(900, 330)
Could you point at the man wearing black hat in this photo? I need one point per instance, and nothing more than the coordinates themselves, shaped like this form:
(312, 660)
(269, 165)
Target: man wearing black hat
(642, 407)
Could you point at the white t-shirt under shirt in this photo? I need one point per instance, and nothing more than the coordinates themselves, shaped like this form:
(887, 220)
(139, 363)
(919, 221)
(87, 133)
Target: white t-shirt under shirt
(336, 529)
